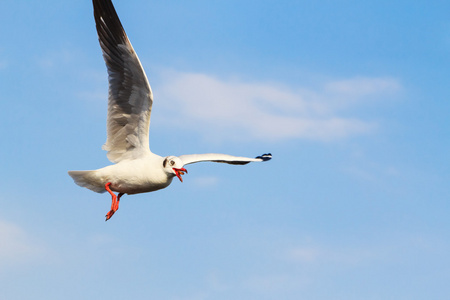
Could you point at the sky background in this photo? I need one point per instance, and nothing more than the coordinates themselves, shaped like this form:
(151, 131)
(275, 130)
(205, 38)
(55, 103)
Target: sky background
(350, 97)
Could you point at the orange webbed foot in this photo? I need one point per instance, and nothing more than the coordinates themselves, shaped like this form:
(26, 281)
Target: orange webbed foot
(110, 214)
(114, 203)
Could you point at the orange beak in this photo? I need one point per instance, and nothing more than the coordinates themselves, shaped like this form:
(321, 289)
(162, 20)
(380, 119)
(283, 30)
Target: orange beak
(180, 172)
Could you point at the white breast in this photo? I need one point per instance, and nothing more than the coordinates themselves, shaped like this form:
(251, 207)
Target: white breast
(136, 176)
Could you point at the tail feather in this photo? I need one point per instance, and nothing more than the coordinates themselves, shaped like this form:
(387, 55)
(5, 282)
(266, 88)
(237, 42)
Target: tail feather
(87, 179)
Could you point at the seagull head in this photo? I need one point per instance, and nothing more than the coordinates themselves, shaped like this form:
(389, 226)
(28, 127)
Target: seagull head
(174, 166)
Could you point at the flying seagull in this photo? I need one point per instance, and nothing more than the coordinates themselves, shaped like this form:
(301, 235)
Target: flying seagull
(136, 169)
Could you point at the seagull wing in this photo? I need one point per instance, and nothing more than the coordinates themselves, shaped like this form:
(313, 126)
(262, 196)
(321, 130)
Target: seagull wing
(130, 96)
(222, 158)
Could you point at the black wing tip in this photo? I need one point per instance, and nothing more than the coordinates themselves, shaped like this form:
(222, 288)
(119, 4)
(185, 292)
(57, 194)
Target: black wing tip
(265, 157)
(109, 27)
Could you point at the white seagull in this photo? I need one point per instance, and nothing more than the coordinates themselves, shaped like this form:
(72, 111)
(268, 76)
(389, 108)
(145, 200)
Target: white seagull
(136, 169)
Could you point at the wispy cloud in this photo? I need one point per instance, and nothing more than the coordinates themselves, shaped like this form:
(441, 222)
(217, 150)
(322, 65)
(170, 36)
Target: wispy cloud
(55, 59)
(347, 256)
(203, 182)
(17, 246)
(387, 250)
(231, 109)
(357, 88)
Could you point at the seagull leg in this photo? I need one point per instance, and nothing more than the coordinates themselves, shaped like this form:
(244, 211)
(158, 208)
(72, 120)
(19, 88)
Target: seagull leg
(116, 207)
(114, 202)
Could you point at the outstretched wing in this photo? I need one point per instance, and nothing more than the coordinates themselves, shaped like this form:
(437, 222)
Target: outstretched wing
(222, 158)
(130, 96)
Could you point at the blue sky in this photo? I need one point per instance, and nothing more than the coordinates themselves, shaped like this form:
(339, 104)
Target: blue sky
(350, 97)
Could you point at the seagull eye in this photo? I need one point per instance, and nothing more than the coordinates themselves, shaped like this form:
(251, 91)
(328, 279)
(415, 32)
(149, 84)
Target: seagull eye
(172, 162)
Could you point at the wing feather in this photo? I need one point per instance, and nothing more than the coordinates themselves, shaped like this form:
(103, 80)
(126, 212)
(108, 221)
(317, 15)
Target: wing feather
(130, 96)
(222, 158)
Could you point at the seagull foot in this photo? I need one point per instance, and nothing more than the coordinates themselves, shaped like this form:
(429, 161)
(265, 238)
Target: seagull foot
(110, 214)
(114, 206)
(114, 203)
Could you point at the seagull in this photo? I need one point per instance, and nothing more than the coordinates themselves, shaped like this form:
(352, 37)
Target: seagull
(136, 169)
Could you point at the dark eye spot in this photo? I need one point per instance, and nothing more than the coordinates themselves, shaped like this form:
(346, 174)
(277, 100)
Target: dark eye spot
(172, 162)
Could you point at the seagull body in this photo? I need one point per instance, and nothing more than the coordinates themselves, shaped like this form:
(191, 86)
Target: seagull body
(128, 176)
(136, 169)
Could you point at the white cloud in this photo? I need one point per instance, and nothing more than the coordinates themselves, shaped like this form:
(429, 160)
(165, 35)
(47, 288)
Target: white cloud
(351, 255)
(57, 59)
(203, 182)
(17, 246)
(390, 249)
(231, 109)
(63, 59)
(304, 254)
(362, 87)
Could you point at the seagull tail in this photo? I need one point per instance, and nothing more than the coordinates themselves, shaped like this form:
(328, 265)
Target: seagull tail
(87, 179)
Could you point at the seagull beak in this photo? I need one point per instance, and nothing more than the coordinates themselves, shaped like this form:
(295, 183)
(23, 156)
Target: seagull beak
(180, 172)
